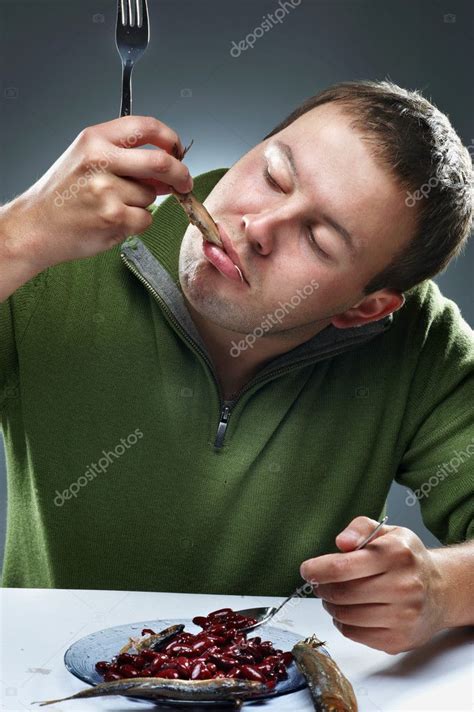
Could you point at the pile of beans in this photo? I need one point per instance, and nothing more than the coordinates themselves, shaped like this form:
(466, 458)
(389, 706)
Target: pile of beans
(221, 649)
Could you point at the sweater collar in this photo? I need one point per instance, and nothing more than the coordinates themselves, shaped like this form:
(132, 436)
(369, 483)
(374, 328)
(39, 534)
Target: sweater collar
(154, 254)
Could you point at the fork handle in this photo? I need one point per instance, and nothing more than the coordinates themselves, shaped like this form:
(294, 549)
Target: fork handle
(126, 103)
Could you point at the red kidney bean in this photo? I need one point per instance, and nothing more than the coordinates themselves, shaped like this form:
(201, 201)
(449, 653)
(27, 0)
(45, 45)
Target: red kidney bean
(183, 666)
(128, 671)
(264, 668)
(140, 661)
(124, 659)
(102, 666)
(213, 650)
(234, 672)
(220, 649)
(217, 629)
(251, 673)
(159, 659)
(280, 672)
(224, 662)
(196, 671)
(180, 650)
(220, 613)
(206, 674)
(200, 646)
(148, 630)
(111, 676)
(243, 658)
(170, 674)
(155, 669)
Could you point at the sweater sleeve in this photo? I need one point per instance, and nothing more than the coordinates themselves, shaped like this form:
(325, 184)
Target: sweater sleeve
(438, 463)
(15, 315)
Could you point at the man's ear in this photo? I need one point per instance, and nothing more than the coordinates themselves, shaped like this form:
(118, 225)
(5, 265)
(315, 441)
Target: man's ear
(371, 308)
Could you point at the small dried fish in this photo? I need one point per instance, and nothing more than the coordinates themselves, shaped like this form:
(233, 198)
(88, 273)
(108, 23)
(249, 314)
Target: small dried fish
(197, 214)
(156, 688)
(330, 690)
(154, 641)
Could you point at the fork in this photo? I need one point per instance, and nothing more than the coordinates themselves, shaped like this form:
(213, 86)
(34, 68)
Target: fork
(131, 37)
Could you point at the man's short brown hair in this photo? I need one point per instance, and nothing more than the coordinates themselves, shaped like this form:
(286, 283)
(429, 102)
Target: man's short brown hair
(416, 142)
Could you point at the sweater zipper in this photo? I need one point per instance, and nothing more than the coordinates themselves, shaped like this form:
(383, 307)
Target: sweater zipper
(222, 427)
(225, 408)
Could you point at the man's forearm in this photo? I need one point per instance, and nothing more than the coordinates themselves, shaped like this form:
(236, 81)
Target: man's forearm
(456, 564)
(15, 268)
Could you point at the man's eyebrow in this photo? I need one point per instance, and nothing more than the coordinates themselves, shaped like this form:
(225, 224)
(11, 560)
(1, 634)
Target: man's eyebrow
(286, 150)
(345, 234)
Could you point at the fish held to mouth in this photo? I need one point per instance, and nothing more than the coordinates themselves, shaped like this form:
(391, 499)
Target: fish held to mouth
(200, 217)
(197, 214)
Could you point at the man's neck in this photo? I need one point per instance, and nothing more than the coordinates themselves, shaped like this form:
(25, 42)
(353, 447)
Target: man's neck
(234, 370)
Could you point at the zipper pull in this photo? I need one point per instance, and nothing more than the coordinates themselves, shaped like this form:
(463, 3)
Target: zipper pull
(222, 427)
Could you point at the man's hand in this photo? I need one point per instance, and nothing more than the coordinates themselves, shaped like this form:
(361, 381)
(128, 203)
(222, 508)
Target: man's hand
(390, 595)
(93, 196)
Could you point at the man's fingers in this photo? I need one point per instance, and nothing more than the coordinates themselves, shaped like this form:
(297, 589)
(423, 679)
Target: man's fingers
(358, 530)
(151, 163)
(331, 568)
(134, 193)
(365, 615)
(373, 589)
(130, 131)
(386, 639)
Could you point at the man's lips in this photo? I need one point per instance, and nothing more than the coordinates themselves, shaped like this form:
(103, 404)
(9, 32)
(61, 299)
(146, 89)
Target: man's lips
(229, 248)
(225, 260)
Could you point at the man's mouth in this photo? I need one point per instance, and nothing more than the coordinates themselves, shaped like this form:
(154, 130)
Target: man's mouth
(225, 259)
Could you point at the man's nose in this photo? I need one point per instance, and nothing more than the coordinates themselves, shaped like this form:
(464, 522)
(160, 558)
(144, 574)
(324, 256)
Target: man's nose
(261, 229)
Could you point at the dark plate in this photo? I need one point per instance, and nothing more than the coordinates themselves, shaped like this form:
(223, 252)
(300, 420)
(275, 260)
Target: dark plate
(81, 657)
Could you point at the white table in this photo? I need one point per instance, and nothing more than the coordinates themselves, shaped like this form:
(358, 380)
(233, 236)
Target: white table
(38, 625)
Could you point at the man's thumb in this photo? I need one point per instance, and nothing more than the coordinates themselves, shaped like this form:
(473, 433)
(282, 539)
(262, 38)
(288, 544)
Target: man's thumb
(355, 533)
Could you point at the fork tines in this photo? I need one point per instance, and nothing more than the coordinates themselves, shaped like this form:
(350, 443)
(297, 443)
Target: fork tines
(133, 12)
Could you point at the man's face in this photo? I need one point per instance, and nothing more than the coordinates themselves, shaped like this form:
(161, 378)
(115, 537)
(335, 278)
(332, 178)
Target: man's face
(272, 221)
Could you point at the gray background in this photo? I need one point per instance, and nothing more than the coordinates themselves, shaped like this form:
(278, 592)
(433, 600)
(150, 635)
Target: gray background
(60, 72)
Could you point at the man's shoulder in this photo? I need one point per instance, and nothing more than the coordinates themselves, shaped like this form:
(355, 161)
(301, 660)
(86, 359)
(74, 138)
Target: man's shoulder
(434, 310)
(435, 323)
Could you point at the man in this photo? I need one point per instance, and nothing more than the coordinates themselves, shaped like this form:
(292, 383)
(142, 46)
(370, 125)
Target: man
(265, 415)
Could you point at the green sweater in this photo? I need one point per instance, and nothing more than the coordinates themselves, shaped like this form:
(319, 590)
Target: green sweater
(126, 470)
